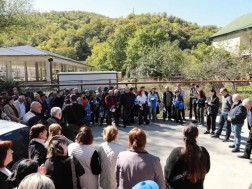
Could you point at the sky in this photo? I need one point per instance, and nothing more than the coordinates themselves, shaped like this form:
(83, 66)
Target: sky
(202, 12)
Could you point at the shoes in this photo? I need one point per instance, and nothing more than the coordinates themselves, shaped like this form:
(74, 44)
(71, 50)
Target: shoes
(243, 157)
(212, 133)
(225, 140)
(235, 150)
(231, 146)
(215, 136)
(207, 132)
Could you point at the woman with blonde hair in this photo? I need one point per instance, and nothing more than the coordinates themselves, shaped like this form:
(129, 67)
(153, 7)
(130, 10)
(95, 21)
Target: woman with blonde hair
(108, 152)
(137, 164)
(187, 166)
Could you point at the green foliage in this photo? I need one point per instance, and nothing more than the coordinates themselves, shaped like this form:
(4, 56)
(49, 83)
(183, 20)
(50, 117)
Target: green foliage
(5, 86)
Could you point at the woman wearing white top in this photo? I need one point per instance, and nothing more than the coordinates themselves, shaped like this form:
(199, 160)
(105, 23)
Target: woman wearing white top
(142, 109)
(108, 152)
(5, 159)
(88, 157)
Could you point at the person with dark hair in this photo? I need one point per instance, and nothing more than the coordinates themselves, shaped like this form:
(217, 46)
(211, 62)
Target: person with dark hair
(103, 104)
(212, 111)
(201, 103)
(167, 103)
(108, 152)
(111, 111)
(182, 95)
(127, 102)
(178, 104)
(10, 110)
(193, 93)
(36, 148)
(24, 168)
(5, 158)
(225, 108)
(137, 164)
(62, 169)
(74, 114)
(152, 100)
(187, 166)
(87, 156)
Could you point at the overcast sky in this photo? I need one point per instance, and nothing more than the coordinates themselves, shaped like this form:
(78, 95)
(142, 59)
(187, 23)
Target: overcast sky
(203, 12)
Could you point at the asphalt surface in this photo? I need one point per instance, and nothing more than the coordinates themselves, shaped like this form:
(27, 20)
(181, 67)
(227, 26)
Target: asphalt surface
(226, 172)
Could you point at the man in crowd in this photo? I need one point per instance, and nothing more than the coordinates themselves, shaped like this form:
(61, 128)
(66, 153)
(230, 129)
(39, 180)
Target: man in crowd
(127, 102)
(74, 116)
(103, 104)
(192, 104)
(236, 116)
(20, 106)
(225, 108)
(34, 116)
(247, 151)
(111, 104)
(167, 102)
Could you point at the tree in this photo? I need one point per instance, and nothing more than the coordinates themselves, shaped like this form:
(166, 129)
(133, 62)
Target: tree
(14, 14)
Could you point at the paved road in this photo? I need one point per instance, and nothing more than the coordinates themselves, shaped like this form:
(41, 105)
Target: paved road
(227, 171)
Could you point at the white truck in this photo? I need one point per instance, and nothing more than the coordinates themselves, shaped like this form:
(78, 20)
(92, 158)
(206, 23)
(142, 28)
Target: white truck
(88, 80)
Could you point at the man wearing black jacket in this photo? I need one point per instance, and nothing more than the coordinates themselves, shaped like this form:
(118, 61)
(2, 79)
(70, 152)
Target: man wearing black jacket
(74, 116)
(167, 101)
(236, 116)
(127, 101)
(248, 104)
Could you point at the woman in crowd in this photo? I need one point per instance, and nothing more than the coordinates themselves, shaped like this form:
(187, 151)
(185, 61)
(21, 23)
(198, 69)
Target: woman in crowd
(87, 156)
(212, 111)
(36, 181)
(142, 109)
(152, 103)
(11, 110)
(108, 152)
(5, 159)
(24, 168)
(201, 103)
(178, 105)
(95, 103)
(187, 166)
(36, 148)
(58, 166)
(137, 164)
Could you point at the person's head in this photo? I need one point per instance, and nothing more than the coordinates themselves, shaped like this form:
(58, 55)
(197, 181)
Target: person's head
(132, 90)
(36, 107)
(87, 92)
(142, 88)
(24, 168)
(177, 92)
(247, 103)
(179, 86)
(137, 139)
(21, 98)
(38, 131)
(74, 91)
(116, 92)
(197, 87)
(201, 94)
(57, 146)
(110, 133)
(192, 85)
(54, 129)
(110, 92)
(73, 98)
(212, 93)
(223, 91)
(196, 161)
(85, 136)
(126, 89)
(1, 99)
(37, 97)
(236, 98)
(5, 153)
(36, 181)
(147, 184)
(94, 95)
(167, 88)
(56, 112)
(140, 92)
(9, 100)
(152, 90)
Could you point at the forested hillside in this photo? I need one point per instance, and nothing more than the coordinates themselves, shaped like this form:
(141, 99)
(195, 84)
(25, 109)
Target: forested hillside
(147, 45)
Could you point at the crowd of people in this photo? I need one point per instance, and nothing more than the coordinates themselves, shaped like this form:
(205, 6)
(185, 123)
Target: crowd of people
(61, 138)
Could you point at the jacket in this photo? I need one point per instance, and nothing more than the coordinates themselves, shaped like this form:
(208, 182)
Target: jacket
(74, 114)
(213, 109)
(135, 166)
(127, 100)
(10, 112)
(238, 113)
(110, 101)
(37, 151)
(165, 97)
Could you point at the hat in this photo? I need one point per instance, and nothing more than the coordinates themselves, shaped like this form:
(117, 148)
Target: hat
(148, 184)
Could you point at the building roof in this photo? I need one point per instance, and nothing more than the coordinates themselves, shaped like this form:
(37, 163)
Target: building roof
(241, 23)
(27, 50)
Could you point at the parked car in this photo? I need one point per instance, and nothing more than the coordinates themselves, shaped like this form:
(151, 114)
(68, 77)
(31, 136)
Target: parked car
(19, 135)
